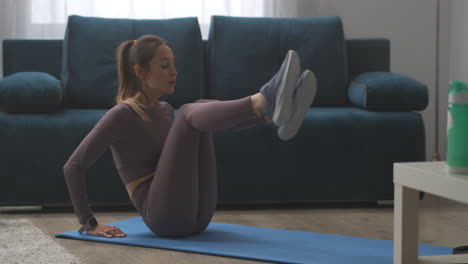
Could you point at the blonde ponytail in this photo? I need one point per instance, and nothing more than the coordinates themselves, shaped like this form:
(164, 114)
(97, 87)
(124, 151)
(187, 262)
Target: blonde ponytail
(131, 53)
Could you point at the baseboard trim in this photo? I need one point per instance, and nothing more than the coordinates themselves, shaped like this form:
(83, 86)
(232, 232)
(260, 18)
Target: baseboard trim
(235, 205)
(20, 209)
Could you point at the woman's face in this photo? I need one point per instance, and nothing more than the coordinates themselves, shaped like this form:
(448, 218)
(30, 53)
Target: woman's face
(162, 72)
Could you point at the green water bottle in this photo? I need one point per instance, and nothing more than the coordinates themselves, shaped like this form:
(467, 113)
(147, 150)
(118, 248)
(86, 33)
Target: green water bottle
(457, 128)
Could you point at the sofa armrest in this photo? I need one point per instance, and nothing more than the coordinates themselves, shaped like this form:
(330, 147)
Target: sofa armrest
(30, 92)
(386, 91)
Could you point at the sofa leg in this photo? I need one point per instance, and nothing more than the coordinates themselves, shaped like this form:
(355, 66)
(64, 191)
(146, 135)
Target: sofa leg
(385, 202)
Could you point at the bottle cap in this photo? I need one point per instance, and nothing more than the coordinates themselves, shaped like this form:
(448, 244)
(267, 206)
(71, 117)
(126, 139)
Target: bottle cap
(458, 87)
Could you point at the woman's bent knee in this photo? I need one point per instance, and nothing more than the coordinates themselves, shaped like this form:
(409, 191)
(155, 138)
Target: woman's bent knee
(185, 112)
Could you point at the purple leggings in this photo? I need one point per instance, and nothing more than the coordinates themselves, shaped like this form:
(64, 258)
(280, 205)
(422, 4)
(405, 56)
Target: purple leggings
(181, 197)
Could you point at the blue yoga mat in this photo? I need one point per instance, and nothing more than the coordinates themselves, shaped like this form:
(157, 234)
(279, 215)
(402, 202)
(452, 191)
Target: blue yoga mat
(265, 244)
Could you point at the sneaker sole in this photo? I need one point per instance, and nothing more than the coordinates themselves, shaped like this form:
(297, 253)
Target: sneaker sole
(284, 100)
(304, 97)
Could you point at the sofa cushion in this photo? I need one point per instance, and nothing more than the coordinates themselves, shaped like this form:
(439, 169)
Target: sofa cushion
(387, 91)
(244, 53)
(30, 92)
(89, 73)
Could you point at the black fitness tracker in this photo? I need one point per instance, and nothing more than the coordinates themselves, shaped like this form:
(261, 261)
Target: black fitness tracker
(460, 250)
(93, 222)
(90, 225)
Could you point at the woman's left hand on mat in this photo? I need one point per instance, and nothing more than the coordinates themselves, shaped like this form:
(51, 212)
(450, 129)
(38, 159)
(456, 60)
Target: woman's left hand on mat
(107, 231)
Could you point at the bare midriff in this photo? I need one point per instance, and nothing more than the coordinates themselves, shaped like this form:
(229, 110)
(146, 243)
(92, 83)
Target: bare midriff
(131, 186)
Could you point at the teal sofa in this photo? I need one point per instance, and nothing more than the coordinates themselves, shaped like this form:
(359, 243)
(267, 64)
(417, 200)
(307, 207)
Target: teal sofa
(363, 120)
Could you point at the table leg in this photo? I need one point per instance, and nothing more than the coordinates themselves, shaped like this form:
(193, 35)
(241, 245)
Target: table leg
(406, 225)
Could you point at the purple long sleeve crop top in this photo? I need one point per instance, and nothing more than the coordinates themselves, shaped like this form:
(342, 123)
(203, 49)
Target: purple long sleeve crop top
(136, 146)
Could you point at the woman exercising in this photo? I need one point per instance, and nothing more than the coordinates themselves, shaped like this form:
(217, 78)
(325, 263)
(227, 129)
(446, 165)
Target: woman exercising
(168, 166)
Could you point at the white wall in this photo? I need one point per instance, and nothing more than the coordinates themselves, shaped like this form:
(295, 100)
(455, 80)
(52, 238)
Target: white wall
(411, 27)
(459, 40)
(455, 58)
(445, 33)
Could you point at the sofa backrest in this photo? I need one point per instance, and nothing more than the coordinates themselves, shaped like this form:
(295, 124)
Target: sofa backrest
(367, 55)
(245, 52)
(20, 55)
(89, 68)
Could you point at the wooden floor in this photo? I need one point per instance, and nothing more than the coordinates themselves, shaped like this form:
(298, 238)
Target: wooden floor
(442, 222)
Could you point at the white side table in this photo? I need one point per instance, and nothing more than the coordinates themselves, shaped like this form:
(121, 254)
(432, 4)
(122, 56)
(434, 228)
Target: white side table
(410, 178)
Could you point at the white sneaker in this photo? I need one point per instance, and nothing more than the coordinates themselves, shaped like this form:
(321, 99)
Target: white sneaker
(278, 91)
(304, 96)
